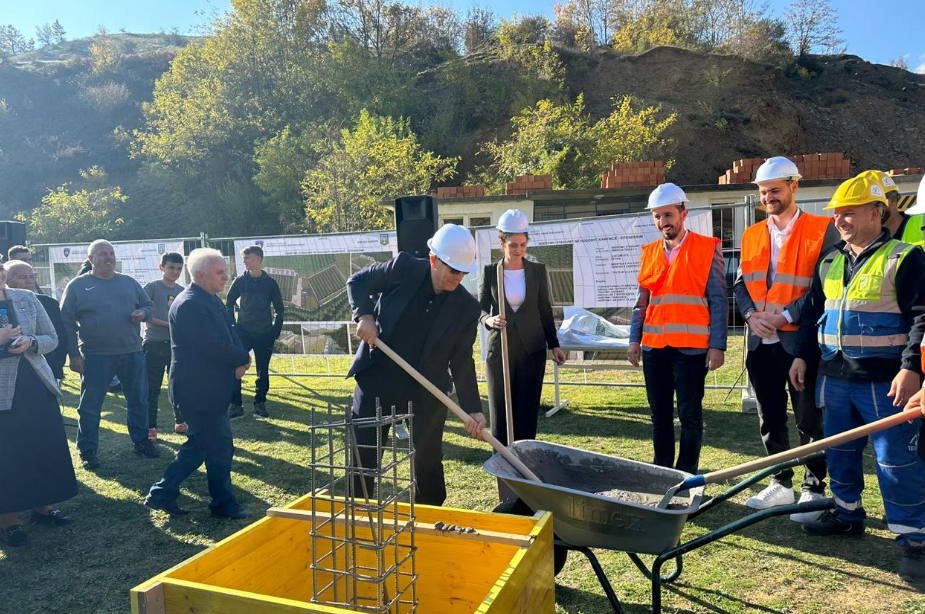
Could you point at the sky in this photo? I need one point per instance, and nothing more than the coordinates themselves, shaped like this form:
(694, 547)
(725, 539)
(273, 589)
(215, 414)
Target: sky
(887, 30)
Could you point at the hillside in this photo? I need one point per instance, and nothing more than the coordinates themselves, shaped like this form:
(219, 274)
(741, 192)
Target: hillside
(58, 114)
(729, 108)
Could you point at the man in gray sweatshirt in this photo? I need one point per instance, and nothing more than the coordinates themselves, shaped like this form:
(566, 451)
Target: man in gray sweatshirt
(102, 309)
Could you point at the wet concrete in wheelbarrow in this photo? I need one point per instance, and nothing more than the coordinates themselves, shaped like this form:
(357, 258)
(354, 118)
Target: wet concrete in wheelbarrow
(636, 483)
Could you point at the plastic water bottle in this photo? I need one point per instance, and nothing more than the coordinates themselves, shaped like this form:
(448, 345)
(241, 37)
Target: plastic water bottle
(4, 318)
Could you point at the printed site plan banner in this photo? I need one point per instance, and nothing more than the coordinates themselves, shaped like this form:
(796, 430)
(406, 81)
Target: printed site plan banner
(139, 260)
(312, 274)
(591, 263)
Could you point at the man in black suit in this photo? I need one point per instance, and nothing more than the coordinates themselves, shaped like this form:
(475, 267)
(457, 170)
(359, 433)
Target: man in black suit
(207, 359)
(430, 320)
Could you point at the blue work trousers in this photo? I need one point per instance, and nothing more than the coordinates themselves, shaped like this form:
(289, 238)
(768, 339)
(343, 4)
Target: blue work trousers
(209, 441)
(98, 373)
(900, 472)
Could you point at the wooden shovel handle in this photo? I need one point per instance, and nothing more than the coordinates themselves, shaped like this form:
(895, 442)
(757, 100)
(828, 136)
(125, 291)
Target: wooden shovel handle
(805, 450)
(456, 409)
(505, 359)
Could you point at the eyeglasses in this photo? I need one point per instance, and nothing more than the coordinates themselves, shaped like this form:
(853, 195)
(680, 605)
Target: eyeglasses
(452, 270)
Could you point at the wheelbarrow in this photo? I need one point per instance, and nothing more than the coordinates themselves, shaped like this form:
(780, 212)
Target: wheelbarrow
(628, 518)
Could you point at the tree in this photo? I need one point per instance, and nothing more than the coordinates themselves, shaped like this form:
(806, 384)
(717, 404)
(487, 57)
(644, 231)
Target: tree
(562, 140)
(283, 161)
(58, 32)
(379, 159)
(12, 41)
(85, 212)
(813, 27)
(45, 35)
(478, 28)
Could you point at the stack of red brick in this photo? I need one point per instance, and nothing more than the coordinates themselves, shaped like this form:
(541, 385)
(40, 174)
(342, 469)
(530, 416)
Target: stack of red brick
(912, 170)
(812, 166)
(528, 183)
(462, 191)
(634, 174)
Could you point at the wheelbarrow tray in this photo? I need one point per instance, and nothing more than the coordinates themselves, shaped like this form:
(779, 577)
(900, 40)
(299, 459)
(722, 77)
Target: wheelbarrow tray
(570, 480)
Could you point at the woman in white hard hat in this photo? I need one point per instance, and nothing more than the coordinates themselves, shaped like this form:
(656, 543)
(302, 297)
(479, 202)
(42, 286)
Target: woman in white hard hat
(530, 329)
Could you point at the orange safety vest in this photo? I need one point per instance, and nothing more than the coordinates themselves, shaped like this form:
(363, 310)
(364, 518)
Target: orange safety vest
(796, 263)
(678, 314)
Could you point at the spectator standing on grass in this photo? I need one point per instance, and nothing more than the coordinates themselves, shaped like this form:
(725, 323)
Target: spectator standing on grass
(102, 311)
(21, 275)
(156, 344)
(252, 295)
(779, 257)
(865, 295)
(35, 463)
(679, 325)
(207, 360)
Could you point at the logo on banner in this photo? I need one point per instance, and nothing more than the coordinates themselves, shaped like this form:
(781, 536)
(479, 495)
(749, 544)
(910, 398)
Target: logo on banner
(161, 248)
(259, 243)
(384, 239)
(67, 252)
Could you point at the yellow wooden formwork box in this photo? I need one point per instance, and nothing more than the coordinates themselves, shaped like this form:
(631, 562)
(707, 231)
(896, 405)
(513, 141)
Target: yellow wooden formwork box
(506, 568)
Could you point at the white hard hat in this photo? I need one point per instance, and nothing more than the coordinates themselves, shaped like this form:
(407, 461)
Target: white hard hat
(455, 246)
(666, 194)
(777, 168)
(919, 206)
(513, 221)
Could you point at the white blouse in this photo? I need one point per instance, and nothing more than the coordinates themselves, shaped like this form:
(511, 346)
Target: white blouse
(515, 287)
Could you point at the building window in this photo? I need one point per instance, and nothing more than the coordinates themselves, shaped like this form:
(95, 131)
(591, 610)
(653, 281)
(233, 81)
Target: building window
(479, 221)
(452, 220)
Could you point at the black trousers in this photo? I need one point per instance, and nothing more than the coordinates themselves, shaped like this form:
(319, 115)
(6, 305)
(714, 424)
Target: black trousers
(262, 345)
(157, 363)
(427, 434)
(769, 372)
(527, 371)
(667, 371)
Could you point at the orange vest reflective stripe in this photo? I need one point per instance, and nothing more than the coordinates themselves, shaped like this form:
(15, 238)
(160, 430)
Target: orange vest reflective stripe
(678, 314)
(796, 263)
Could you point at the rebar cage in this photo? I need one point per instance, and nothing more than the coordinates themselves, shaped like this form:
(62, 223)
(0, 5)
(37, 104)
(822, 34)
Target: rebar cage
(362, 536)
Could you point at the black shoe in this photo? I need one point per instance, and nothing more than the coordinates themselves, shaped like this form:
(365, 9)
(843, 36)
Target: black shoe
(171, 507)
(55, 518)
(912, 563)
(830, 524)
(234, 513)
(13, 536)
(235, 412)
(146, 449)
(260, 410)
(89, 460)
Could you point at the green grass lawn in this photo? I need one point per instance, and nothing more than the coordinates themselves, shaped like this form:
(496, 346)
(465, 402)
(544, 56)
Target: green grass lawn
(116, 543)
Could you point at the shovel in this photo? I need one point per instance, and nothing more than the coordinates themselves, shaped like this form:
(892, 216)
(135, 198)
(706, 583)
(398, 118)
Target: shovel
(456, 409)
(805, 450)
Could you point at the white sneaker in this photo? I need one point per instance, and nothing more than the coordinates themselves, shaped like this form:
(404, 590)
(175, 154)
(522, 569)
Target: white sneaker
(773, 496)
(807, 495)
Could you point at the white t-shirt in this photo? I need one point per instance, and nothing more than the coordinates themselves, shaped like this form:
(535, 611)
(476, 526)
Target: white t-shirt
(515, 287)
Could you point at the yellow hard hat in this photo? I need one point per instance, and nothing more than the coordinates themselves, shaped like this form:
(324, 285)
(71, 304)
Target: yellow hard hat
(886, 182)
(857, 191)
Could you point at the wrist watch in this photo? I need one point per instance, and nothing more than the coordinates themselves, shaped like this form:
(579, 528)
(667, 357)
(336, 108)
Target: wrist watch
(748, 315)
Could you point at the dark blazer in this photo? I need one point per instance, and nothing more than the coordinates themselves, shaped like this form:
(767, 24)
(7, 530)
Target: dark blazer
(533, 321)
(206, 352)
(56, 357)
(788, 339)
(449, 344)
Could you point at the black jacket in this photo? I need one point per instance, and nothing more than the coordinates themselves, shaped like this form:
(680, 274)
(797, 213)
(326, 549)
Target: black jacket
(57, 356)
(205, 352)
(910, 295)
(533, 321)
(449, 343)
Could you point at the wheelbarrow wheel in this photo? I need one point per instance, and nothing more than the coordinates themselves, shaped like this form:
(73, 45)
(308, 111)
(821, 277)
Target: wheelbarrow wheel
(519, 508)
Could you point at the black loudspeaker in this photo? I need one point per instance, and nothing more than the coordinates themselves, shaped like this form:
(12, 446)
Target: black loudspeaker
(415, 223)
(11, 233)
